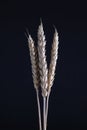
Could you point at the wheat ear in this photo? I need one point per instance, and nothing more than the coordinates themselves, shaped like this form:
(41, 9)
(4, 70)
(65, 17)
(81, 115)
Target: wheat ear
(35, 73)
(42, 60)
(34, 62)
(54, 57)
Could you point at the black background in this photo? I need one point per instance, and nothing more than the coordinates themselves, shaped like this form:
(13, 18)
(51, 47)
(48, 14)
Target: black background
(68, 100)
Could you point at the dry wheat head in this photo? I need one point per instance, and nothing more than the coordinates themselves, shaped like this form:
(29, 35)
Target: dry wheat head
(42, 60)
(53, 62)
(34, 62)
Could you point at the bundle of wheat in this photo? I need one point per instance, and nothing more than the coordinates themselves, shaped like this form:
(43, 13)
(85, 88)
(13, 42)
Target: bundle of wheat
(42, 76)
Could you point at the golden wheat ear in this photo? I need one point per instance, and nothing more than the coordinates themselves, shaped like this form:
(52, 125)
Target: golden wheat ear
(42, 60)
(53, 62)
(34, 62)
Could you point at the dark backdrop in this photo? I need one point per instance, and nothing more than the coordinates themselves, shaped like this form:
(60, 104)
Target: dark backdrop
(68, 100)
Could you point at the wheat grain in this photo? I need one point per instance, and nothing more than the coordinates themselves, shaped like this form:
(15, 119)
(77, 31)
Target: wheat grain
(42, 60)
(54, 56)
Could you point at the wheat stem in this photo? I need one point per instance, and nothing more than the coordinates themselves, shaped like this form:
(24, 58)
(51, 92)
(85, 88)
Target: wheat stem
(39, 109)
(44, 113)
(47, 107)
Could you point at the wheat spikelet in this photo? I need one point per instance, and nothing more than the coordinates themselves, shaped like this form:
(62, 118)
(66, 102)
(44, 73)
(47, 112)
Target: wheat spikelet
(34, 62)
(42, 60)
(54, 56)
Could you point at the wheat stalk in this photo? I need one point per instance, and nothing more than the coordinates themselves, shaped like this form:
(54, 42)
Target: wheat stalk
(52, 67)
(43, 69)
(35, 73)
